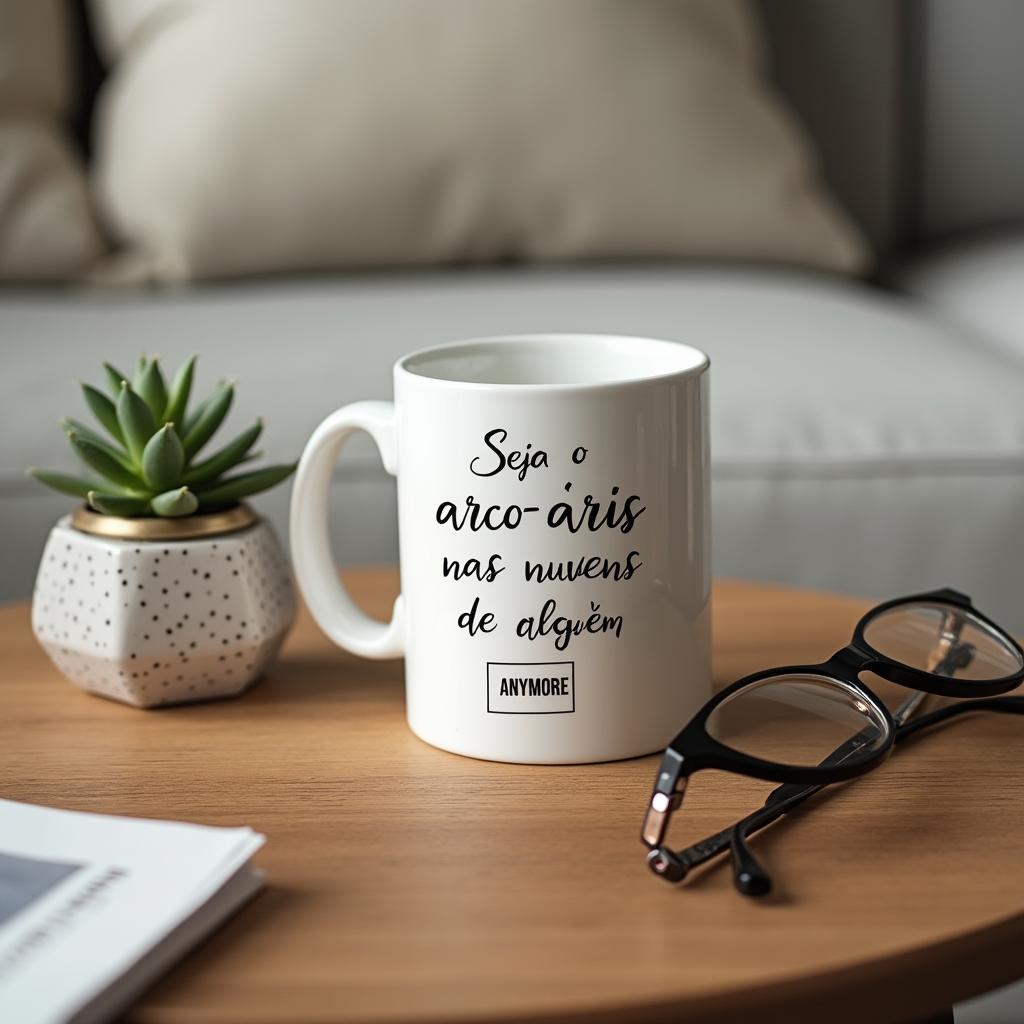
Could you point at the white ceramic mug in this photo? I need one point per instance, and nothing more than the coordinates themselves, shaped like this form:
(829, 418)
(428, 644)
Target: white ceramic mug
(553, 534)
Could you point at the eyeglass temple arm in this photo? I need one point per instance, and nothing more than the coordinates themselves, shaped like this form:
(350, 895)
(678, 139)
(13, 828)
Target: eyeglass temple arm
(750, 876)
(675, 866)
(1005, 705)
(946, 657)
(779, 801)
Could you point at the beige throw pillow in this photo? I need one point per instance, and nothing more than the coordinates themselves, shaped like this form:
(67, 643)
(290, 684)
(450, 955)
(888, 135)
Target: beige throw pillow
(250, 136)
(47, 231)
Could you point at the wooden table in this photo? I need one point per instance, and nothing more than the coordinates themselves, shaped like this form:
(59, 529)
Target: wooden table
(410, 885)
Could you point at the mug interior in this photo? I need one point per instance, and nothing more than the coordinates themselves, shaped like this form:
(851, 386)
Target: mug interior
(555, 360)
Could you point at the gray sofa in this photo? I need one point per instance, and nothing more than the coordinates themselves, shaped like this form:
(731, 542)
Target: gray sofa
(857, 443)
(861, 441)
(866, 438)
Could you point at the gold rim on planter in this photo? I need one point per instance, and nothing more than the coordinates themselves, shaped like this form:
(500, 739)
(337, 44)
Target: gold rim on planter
(209, 524)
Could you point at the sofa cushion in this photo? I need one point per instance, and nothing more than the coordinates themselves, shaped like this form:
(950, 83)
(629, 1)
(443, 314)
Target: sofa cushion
(46, 227)
(978, 285)
(238, 138)
(856, 444)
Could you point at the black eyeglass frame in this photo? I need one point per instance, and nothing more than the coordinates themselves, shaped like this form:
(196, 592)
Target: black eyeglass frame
(749, 877)
(695, 749)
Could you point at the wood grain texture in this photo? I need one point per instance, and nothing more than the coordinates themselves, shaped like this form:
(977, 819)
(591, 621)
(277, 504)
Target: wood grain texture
(406, 884)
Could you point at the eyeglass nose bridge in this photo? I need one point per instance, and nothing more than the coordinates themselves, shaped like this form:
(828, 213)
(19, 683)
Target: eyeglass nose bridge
(848, 662)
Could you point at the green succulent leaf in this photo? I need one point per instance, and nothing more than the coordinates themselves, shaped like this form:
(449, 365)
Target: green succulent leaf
(104, 410)
(140, 369)
(228, 457)
(100, 459)
(249, 457)
(179, 502)
(192, 418)
(147, 469)
(114, 378)
(206, 424)
(163, 458)
(137, 423)
(152, 389)
(236, 487)
(73, 426)
(181, 388)
(117, 504)
(63, 482)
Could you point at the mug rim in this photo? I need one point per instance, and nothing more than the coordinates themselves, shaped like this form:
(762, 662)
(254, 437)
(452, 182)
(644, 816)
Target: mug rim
(697, 363)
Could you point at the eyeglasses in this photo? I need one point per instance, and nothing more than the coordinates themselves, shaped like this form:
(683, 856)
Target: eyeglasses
(809, 726)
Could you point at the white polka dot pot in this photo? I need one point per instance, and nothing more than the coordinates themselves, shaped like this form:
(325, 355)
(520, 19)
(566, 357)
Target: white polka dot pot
(155, 621)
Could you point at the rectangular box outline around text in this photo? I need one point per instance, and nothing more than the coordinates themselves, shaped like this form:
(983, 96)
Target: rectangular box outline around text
(521, 664)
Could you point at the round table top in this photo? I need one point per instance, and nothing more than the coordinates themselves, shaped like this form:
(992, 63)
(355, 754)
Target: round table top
(405, 884)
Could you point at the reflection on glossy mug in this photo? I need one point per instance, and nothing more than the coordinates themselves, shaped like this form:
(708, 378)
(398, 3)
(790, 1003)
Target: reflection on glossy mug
(553, 533)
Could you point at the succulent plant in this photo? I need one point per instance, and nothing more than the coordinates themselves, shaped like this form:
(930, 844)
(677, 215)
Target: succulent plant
(150, 461)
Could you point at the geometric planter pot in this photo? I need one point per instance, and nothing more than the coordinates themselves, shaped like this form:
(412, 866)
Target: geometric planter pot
(183, 610)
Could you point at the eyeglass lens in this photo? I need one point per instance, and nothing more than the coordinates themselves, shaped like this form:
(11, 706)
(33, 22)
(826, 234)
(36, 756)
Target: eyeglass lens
(799, 720)
(944, 639)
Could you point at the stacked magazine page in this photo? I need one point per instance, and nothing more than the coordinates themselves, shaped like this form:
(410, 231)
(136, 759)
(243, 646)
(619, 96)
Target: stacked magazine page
(94, 908)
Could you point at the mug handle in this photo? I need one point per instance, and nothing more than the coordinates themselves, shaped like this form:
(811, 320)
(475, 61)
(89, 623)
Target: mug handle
(328, 601)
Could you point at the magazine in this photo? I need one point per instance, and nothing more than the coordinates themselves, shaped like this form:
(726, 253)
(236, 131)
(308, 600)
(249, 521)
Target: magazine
(94, 908)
